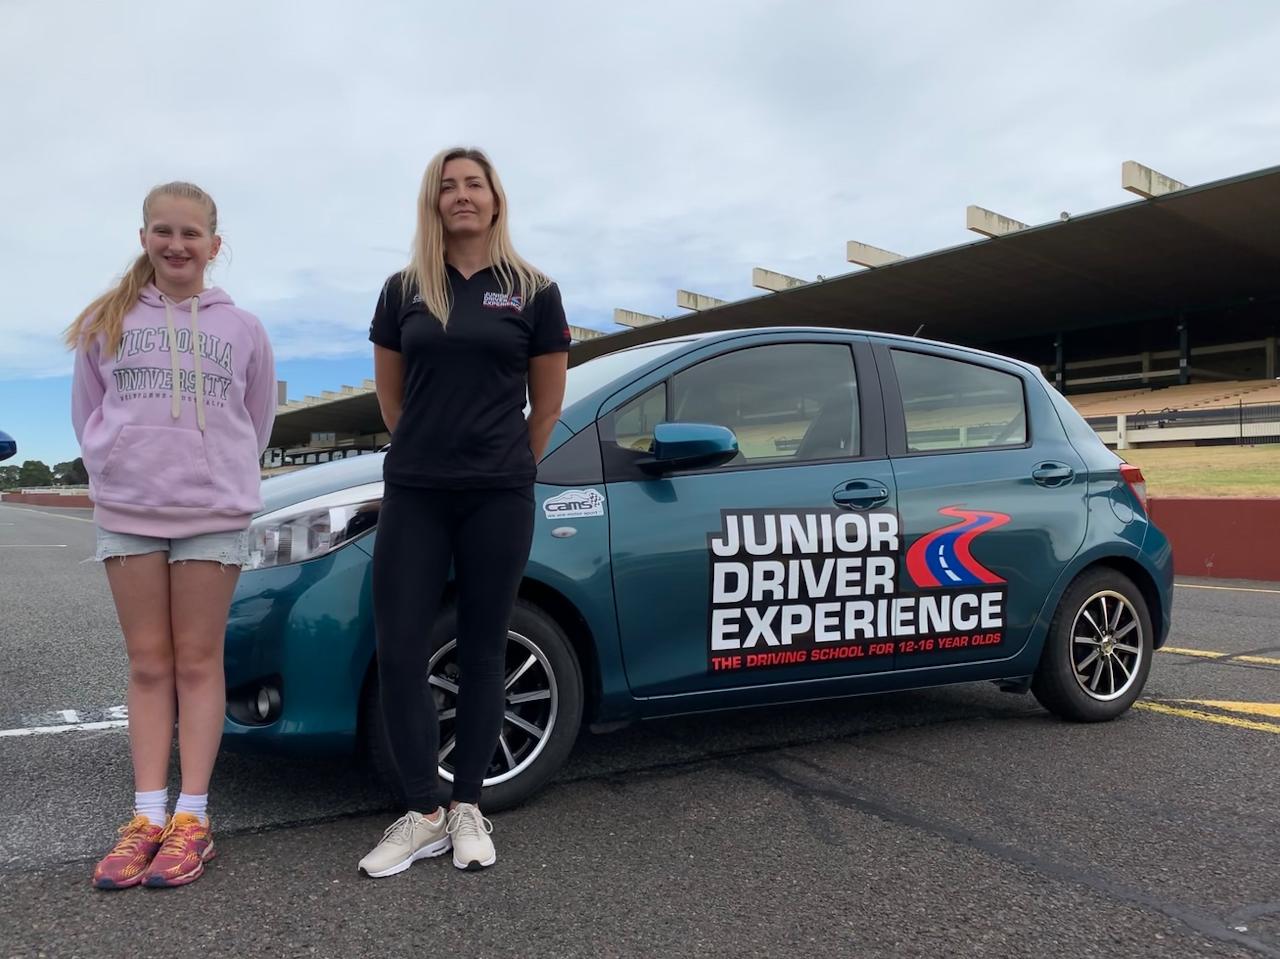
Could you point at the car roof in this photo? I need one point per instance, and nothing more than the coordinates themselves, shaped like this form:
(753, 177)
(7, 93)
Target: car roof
(714, 335)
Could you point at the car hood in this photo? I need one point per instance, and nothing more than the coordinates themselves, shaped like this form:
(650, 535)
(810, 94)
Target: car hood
(312, 481)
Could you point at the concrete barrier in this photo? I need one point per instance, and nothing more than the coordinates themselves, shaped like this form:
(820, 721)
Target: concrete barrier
(1222, 538)
(67, 500)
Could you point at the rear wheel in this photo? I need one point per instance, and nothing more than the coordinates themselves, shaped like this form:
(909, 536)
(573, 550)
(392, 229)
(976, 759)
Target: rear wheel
(1098, 652)
(542, 711)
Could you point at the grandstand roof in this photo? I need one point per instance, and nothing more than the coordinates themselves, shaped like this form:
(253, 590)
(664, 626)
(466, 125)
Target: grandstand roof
(1201, 247)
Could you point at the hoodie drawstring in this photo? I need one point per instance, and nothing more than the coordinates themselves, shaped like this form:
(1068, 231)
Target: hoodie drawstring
(175, 407)
(195, 352)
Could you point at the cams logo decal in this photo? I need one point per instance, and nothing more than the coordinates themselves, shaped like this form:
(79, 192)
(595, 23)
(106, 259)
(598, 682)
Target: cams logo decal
(813, 586)
(503, 301)
(574, 503)
(942, 558)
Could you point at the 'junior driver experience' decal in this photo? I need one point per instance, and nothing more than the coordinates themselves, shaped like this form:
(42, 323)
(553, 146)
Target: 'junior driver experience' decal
(821, 585)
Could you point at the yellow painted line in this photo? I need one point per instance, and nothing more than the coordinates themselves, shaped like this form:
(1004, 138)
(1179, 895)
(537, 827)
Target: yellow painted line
(1233, 589)
(1207, 717)
(1212, 654)
(1270, 710)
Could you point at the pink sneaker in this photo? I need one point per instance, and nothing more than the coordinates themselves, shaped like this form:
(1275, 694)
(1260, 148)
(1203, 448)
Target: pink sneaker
(187, 844)
(126, 864)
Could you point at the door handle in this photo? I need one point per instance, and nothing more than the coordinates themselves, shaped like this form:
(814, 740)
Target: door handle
(1053, 474)
(860, 494)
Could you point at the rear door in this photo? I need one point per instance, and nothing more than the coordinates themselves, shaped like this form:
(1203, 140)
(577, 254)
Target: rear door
(991, 496)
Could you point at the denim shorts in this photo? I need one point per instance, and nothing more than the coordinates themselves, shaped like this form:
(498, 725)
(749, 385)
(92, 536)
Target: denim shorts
(229, 549)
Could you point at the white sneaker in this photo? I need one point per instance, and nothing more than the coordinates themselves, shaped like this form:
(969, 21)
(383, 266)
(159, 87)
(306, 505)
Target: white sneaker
(408, 839)
(472, 847)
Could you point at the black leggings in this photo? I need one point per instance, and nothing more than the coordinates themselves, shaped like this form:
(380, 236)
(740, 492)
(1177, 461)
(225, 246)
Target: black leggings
(486, 533)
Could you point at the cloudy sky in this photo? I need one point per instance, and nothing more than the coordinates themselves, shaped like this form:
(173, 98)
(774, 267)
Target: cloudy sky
(644, 146)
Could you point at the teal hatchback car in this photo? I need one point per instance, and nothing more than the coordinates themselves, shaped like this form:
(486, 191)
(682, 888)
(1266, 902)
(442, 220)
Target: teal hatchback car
(739, 519)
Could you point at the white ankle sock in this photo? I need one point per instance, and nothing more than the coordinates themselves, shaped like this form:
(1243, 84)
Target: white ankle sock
(196, 805)
(152, 804)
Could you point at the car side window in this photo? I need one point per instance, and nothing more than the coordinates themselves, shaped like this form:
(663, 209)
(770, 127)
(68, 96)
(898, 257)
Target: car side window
(953, 405)
(785, 402)
(633, 423)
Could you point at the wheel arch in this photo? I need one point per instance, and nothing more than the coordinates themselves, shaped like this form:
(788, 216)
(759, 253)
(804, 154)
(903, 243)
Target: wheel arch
(1141, 578)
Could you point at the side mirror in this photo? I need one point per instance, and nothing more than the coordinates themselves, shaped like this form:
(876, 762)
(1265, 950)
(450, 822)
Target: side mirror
(8, 447)
(678, 446)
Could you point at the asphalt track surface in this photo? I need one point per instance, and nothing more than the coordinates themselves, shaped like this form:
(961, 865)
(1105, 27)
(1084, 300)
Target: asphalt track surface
(957, 821)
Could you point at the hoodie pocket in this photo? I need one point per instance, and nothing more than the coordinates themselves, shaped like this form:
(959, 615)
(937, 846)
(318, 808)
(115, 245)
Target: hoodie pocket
(157, 466)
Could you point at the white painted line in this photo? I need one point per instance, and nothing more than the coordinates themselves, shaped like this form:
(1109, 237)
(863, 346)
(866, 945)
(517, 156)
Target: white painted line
(70, 727)
(69, 715)
(1233, 589)
(33, 545)
(45, 512)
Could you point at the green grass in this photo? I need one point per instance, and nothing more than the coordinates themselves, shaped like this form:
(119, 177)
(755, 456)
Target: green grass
(1209, 470)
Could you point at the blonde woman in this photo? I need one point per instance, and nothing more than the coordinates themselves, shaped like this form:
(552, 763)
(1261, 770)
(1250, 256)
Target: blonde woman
(461, 336)
(173, 398)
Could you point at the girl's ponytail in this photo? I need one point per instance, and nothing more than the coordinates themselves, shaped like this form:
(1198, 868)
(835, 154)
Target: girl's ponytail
(104, 317)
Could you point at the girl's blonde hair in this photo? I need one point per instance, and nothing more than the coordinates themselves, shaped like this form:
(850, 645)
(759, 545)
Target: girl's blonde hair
(105, 316)
(425, 274)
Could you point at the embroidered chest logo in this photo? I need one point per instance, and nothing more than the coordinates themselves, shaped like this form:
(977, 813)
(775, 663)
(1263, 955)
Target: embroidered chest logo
(503, 301)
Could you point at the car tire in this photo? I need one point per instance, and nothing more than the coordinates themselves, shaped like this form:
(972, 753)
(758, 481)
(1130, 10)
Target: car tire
(555, 670)
(1098, 650)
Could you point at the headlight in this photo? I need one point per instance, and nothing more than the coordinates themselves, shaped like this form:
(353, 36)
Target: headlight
(312, 528)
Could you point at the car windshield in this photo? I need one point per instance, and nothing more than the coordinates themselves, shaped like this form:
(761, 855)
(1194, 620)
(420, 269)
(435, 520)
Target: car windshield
(593, 374)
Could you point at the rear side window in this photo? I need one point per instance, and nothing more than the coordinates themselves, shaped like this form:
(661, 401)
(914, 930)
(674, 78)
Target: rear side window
(952, 405)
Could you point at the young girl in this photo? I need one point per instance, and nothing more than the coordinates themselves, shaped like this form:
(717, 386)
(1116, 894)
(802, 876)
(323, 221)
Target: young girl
(460, 336)
(173, 399)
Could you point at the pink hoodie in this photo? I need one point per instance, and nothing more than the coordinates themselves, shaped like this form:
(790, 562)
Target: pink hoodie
(172, 439)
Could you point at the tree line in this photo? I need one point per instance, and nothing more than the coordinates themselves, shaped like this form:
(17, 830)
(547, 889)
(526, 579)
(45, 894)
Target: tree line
(37, 473)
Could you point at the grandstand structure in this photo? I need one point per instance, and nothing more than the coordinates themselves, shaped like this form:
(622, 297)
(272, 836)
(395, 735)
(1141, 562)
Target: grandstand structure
(1157, 318)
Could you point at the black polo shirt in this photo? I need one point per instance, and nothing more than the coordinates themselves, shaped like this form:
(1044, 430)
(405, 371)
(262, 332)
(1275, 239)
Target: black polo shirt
(465, 387)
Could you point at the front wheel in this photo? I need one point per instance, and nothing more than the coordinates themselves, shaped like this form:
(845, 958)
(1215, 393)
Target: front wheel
(542, 708)
(1098, 652)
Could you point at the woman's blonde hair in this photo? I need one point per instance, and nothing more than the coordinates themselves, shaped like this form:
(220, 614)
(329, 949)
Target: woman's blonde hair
(105, 316)
(425, 274)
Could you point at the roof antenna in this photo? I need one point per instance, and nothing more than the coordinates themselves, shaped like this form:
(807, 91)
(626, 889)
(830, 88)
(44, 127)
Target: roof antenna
(918, 329)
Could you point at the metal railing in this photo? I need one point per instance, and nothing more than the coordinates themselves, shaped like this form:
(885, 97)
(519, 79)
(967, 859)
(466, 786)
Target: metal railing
(1245, 424)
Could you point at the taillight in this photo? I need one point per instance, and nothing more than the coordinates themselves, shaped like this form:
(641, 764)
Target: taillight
(1133, 476)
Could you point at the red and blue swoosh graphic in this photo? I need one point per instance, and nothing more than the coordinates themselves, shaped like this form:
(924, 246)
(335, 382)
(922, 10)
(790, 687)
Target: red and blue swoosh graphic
(942, 558)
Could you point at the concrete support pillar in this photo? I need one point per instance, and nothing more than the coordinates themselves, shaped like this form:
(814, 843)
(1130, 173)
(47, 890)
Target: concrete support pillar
(763, 279)
(1122, 431)
(981, 220)
(633, 319)
(864, 254)
(696, 301)
(1270, 362)
(1184, 351)
(1146, 182)
(1145, 356)
(1059, 364)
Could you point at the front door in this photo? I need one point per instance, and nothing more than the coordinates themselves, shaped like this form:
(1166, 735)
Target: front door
(740, 574)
